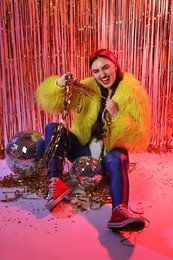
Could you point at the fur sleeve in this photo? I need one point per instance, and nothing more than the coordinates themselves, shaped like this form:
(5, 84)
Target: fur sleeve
(50, 96)
(132, 127)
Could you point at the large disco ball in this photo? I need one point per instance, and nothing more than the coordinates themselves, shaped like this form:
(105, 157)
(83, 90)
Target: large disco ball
(86, 170)
(23, 152)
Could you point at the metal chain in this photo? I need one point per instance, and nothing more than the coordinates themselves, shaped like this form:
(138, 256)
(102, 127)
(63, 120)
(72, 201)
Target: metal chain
(54, 142)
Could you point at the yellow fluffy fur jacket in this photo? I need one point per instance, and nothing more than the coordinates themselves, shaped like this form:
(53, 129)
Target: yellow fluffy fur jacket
(131, 129)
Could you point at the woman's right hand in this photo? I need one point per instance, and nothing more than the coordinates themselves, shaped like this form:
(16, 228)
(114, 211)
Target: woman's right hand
(61, 81)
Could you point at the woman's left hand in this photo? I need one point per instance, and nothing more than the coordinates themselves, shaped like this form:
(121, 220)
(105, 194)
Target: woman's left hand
(112, 107)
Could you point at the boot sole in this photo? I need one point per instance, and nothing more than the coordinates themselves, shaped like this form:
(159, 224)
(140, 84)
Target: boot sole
(130, 225)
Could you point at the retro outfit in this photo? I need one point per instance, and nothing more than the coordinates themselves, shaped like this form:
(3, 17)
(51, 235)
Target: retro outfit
(129, 131)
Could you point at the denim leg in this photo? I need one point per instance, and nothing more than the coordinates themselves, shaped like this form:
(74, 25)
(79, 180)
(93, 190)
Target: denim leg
(116, 165)
(68, 143)
(40, 149)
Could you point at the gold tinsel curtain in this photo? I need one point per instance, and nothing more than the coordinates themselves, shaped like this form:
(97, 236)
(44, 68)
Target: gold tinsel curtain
(43, 38)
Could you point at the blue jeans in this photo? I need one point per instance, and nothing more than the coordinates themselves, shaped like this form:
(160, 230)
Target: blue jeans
(116, 166)
(115, 163)
(68, 143)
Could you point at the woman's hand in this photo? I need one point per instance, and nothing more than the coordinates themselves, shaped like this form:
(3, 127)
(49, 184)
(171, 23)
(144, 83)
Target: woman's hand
(61, 81)
(112, 107)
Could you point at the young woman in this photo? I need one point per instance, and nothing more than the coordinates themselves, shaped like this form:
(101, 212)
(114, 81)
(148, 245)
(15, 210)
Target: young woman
(116, 121)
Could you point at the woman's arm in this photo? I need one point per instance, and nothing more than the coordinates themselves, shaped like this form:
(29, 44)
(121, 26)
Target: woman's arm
(50, 95)
(132, 127)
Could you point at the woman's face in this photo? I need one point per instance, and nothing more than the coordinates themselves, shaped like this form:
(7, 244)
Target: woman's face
(104, 71)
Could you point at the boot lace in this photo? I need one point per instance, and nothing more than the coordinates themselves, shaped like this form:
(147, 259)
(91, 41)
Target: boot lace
(124, 211)
(52, 188)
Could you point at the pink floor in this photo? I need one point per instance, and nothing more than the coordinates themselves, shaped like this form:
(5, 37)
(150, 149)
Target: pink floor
(29, 232)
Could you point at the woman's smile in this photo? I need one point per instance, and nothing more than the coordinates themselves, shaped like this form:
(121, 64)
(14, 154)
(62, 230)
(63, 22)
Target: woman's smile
(104, 71)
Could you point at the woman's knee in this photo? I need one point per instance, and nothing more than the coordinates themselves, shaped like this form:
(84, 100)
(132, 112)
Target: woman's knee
(118, 155)
(49, 128)
(115, 160)
(113, 156)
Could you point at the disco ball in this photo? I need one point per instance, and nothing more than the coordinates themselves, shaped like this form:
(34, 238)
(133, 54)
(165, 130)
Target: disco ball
(86, 170)
(23, 152)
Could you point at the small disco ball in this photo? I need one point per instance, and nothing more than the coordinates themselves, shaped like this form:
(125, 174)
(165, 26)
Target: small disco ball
(23, 152)
(86, 170)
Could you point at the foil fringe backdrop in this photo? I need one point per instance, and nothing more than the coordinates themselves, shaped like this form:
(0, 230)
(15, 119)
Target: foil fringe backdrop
(43, 38)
